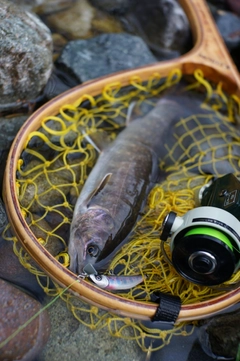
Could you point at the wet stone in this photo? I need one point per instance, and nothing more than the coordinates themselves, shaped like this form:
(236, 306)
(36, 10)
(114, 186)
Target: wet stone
(82, 21)
(104, 54)
(162, 24)
(26, 55)
(16, 309)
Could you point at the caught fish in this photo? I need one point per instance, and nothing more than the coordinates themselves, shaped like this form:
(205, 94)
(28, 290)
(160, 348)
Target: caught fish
(117, 187)
(116, 283)
(112, 196)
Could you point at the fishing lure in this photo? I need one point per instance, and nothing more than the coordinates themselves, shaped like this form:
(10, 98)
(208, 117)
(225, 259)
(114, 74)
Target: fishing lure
(116, 283)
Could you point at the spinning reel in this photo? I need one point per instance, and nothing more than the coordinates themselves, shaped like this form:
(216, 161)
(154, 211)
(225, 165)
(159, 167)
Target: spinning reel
(205, 242)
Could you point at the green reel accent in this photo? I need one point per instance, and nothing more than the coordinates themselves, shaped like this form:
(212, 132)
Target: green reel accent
(210, 232)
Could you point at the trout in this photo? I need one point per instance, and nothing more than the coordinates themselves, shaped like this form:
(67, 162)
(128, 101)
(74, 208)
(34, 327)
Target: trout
(114, 193)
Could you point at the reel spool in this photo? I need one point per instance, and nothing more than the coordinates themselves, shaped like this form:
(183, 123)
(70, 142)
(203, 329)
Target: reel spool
(205, 242)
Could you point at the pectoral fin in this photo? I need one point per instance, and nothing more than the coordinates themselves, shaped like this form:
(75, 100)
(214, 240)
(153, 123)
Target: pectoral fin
(98, 189)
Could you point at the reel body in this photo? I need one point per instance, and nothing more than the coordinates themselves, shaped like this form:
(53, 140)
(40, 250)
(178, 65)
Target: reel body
(205, 242)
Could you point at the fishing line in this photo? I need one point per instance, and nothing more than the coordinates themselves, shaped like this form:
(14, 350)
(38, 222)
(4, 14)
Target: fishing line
(20, 328)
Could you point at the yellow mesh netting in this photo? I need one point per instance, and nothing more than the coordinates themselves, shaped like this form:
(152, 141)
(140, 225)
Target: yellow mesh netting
(55, 164)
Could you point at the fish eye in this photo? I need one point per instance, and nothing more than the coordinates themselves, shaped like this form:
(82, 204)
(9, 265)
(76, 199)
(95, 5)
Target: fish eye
(93, 250)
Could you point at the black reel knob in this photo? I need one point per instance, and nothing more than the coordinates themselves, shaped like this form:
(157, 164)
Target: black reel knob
(167, 226)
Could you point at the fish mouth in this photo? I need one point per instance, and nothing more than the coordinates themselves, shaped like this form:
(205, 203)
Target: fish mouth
(75, 251)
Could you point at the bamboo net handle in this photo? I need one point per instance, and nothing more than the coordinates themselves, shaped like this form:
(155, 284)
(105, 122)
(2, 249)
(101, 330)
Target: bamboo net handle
(209, 53)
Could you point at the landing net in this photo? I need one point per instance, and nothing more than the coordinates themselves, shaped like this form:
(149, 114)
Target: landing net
(55, 164)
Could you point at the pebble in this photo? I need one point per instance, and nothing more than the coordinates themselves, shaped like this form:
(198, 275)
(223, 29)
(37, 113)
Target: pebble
(81, 21)
(162, 24)
(104, 54)
(26, 55)
(16, 309)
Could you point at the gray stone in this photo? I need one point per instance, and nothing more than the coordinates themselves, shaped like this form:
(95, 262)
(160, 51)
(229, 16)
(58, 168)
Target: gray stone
(25, 57)
(104, 54)
(161, 23)
(82, 21)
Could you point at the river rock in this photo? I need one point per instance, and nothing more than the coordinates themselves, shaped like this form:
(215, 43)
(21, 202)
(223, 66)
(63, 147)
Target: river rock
(104, 54)
(16, 309)
(161, 23)
(26, 55)
(82, 21)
